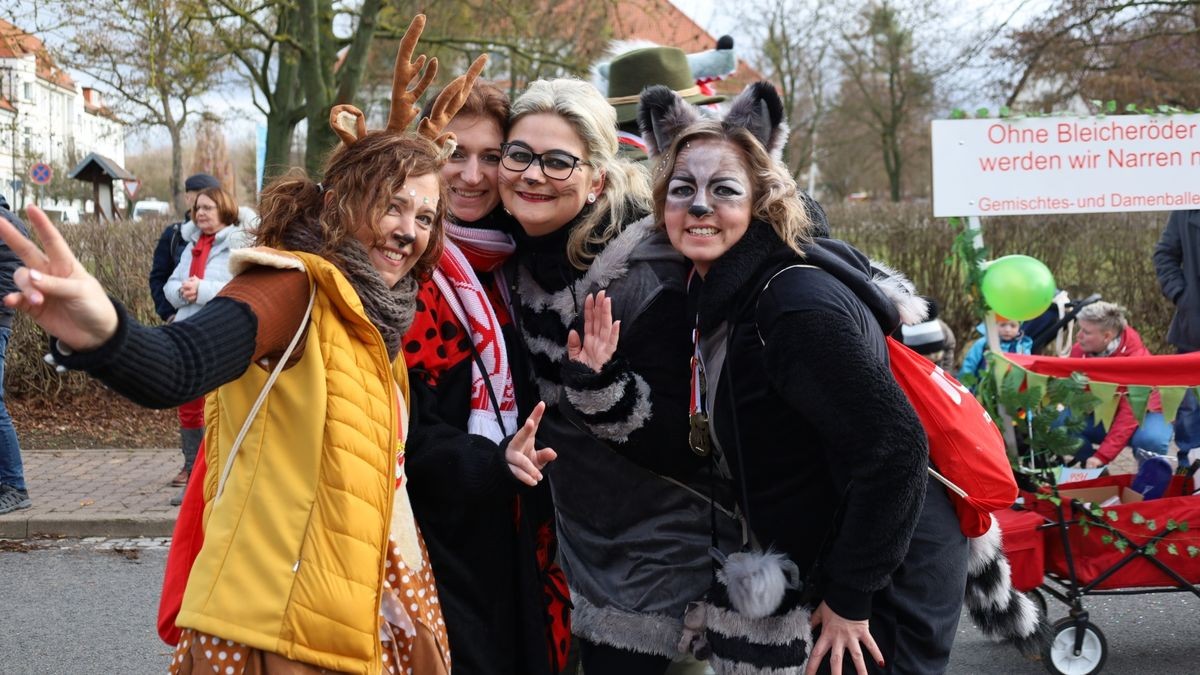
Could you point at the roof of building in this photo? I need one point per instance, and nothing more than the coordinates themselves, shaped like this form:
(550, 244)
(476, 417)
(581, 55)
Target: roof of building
(6, 105)
(91, 107)
(96, 166)
(16, 43)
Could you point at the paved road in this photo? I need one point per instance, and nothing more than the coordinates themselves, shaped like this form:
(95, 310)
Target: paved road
(81, 606)
(76, 607)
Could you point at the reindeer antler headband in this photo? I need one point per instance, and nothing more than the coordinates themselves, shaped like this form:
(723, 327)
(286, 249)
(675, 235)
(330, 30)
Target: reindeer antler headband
(349, 123)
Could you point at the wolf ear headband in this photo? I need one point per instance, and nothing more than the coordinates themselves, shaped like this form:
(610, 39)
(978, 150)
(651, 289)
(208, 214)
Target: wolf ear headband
(663, 115)
(349, 123)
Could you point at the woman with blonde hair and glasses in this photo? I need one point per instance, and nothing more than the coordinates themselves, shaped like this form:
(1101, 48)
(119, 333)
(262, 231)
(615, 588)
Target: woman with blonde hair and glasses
(633, 541)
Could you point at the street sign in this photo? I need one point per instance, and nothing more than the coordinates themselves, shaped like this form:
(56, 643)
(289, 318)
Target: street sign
(41, 173)
(131, 187)
(17, 184)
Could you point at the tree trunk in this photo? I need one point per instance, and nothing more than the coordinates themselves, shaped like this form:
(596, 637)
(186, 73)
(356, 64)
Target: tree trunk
(321, 139)
(176, 131)
(891, 162)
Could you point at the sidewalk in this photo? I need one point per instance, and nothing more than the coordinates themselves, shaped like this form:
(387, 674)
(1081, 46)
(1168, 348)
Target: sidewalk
(90, 493)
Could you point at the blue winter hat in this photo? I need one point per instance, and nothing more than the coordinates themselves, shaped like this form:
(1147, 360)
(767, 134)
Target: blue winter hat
(200, 181)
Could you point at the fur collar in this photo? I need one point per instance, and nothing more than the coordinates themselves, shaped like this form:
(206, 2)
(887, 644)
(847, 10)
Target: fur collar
(729, 279)
(391, 310)
(611, 264)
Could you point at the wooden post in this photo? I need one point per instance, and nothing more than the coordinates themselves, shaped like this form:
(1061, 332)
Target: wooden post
(993, 343)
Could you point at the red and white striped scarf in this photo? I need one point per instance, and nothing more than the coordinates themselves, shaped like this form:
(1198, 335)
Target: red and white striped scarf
(466, 296)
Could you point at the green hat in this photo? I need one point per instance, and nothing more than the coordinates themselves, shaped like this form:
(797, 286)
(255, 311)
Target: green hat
(630, 73)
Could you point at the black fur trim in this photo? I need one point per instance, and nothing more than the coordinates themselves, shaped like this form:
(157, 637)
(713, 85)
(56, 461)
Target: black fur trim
(1010, 624)
(739, 650)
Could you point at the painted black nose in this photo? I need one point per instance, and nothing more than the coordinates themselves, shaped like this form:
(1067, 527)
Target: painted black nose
(403, 240)
(699, 210)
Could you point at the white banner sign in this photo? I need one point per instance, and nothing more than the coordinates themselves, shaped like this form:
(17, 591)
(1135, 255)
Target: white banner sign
(994, 167)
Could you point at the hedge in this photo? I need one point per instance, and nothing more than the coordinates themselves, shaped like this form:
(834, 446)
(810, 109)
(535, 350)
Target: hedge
(1104, 253)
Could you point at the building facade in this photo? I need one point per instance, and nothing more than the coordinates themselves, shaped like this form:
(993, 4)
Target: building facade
(46, 117)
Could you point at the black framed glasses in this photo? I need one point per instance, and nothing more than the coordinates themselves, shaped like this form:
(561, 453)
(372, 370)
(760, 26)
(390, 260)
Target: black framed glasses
(556, 164)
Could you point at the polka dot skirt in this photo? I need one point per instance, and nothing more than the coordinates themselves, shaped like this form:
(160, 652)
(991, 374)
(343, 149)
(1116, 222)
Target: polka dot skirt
(412, 634)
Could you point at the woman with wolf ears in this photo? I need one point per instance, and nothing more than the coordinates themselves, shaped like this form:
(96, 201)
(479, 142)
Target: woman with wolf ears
(793, 394)
(311, 561)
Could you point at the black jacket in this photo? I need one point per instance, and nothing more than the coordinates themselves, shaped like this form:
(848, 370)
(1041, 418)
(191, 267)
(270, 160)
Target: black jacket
(819, 417)
(1177, 263)
(633, 540)
(9, 262)
(166, 258)
(482, 538)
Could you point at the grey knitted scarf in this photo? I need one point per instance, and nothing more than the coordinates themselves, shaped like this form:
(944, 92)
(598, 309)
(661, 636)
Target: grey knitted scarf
(390, 309)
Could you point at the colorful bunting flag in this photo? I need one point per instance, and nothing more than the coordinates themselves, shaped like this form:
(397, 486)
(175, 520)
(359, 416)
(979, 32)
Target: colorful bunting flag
(1106, 409)
(1171, 398)
(1000, 368)
(1139, 396)
(1036, 381)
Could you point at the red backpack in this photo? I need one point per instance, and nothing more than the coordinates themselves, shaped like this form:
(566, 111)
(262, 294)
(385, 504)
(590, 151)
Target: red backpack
(965, 446)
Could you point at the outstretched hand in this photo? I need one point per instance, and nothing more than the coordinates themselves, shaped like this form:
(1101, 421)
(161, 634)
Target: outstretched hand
(55, 290)
(524, 459)
(600, 333)
(839, 636)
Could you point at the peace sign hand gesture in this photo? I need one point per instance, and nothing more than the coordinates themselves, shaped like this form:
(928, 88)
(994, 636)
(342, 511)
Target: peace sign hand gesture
(600, 333)
(55, 290)
(525, 461)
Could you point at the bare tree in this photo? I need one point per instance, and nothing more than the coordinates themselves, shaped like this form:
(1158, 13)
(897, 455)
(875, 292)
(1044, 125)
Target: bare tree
(527, 39)
(298, 65)
(886, 85)
(211, 155)
(1143, 51)
(153, 55)
(796, 53)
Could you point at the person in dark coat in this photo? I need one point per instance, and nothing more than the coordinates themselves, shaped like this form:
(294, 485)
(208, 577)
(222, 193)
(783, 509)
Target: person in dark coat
(1177, 263)
(631, 500)
(171, 244)
(490, 538)
(13, 493)
(170, 248)
(793, 399)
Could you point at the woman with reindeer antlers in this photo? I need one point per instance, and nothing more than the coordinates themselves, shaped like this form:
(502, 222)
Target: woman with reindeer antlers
(311, 560)
(793, 394)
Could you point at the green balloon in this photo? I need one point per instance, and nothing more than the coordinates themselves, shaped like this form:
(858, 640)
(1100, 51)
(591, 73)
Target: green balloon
(1018, 287)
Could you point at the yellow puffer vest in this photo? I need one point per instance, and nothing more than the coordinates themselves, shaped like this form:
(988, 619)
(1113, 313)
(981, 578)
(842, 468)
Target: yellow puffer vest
(293, 553)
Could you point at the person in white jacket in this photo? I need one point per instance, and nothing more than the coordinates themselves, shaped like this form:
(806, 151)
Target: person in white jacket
(216, 228)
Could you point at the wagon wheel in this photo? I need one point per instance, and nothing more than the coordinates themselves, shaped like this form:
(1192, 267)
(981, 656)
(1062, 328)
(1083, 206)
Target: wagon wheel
(1060, 656)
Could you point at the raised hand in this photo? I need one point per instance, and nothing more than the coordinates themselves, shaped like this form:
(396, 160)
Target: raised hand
(524, 459)
(838, 636)
(600, 333)
(55, 290)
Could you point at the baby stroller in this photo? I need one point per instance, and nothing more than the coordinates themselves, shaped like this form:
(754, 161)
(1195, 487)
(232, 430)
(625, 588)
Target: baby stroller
(1057, 324)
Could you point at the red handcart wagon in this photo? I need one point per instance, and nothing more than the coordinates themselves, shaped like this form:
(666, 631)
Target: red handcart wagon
(1099, 537)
